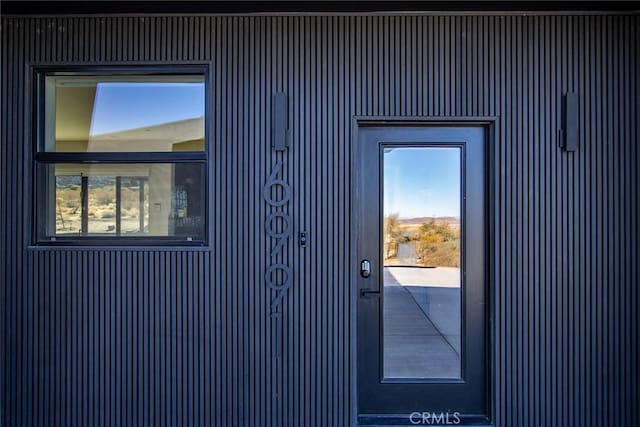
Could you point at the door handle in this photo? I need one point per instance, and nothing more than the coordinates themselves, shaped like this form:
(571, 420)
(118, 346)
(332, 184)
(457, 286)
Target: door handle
(368, 293)
(365, 271)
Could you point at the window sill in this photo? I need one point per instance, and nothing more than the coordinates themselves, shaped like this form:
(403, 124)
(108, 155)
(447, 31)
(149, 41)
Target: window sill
(67, 247)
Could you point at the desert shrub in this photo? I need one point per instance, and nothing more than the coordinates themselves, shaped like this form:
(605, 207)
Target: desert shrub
(393, 235)
(438, 245)
(102, 195)
(68, 197)
(130, 197)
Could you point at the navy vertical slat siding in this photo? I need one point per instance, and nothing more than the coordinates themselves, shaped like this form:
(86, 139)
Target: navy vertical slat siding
(184, 337)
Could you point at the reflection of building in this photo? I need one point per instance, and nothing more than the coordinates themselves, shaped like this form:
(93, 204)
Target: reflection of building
(173, 203)
(74, 115)
(183, 135)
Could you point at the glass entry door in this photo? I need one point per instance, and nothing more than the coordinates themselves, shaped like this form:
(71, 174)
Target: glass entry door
(421, 281)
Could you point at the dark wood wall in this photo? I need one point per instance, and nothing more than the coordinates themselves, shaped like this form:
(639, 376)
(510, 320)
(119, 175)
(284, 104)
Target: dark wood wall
(184, 337)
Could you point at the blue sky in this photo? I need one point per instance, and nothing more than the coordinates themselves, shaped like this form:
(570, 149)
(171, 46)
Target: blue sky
(119, 106)
(422, 182)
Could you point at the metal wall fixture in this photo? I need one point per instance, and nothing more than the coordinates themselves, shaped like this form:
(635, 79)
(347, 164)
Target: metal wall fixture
(570, 119)
(278, 275)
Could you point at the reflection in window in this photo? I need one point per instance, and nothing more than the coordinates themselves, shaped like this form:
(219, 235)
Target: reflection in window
(421, 252)
(128, 199)
(122, 155)
(68, 204)
(425, 242)
(134, 208)
(125, 113)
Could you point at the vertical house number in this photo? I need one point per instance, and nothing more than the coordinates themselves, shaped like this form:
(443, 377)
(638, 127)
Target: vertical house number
(276, 194)
(277, 276)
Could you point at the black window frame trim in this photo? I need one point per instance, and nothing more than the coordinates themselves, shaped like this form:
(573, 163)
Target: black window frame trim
(40, 157)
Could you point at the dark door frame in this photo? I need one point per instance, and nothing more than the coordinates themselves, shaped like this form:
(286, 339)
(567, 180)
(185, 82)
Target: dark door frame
(490, 123)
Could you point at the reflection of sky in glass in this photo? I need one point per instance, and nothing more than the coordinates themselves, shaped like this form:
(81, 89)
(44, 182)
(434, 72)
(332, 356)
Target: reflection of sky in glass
(422, 182)
(130, 105)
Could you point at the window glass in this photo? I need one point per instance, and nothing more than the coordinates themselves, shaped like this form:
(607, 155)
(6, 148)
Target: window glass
(68, 204)
(124, 113)
(421, 251)
(147, 199)
(122, 155)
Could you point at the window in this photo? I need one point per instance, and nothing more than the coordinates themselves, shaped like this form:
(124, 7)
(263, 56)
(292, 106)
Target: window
(122, 157)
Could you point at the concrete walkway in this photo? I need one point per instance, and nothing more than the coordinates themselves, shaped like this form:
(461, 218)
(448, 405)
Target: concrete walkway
(414, 347)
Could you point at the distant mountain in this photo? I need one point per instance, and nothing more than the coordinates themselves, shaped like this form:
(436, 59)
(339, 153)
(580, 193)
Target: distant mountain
(426, 219)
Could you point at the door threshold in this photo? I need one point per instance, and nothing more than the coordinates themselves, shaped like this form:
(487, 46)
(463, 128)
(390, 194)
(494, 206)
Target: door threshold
(423, 419)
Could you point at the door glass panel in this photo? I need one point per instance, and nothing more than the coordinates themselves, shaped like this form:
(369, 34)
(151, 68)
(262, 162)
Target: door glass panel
(421, 243)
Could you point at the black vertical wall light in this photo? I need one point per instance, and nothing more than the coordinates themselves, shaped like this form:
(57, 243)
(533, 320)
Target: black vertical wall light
(280, 139)
(569, 132)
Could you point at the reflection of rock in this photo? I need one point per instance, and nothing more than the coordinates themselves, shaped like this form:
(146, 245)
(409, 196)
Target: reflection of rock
(449, 220)
(104, 214)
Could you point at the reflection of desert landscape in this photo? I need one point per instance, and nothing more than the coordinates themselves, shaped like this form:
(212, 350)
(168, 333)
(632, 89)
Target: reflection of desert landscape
(421, 297)
(428, 242)
(154, 199)
(101, 205)
(68, 208)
